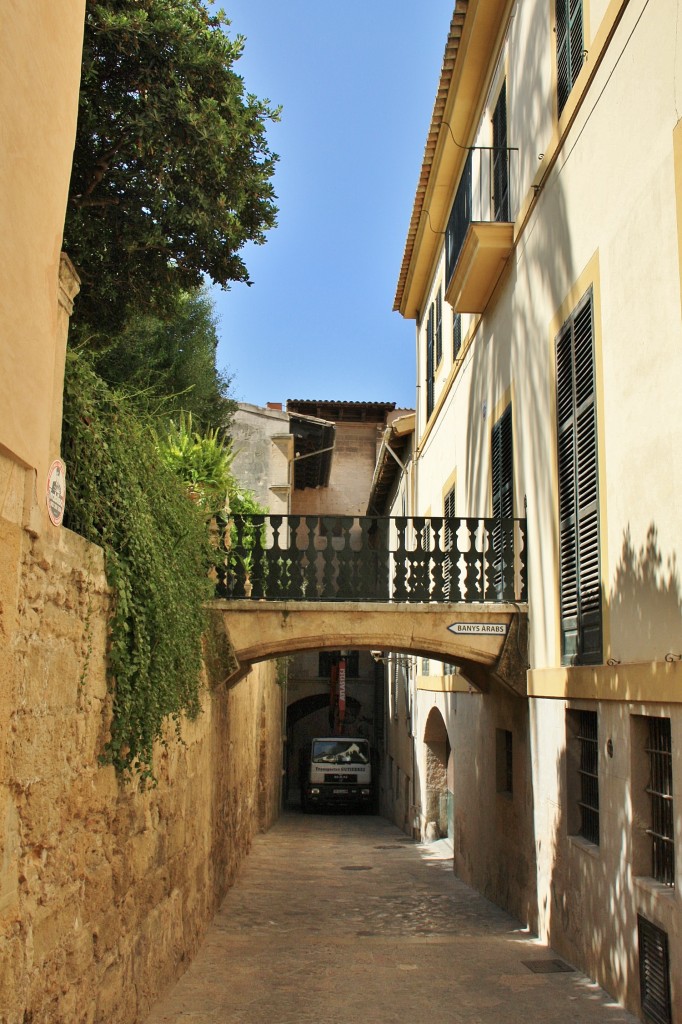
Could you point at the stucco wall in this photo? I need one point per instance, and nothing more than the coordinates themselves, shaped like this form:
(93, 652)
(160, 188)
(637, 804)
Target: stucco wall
(40, 59)
(105, 891)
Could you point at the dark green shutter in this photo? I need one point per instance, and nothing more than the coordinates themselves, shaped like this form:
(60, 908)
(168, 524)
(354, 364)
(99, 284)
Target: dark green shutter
(439, 327)
(456, 334)
(580, 574)
(429, 362)
(503, 499)
(569, 46)
(500, 158)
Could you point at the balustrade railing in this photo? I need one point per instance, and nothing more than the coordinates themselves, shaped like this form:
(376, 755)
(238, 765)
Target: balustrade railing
(483, 195)
(367, 558)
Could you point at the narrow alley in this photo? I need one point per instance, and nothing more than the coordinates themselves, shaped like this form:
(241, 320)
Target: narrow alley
(340, 918)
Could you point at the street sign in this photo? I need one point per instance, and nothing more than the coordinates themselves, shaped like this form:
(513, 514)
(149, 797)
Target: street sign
(479, 628)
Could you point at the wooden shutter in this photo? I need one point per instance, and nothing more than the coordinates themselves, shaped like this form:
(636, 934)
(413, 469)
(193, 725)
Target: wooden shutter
(500, 158)
(429, 362)
(456, 334)
(503, 496)
(439, 326)
(569, 46)
(580, 573)
(654, 972)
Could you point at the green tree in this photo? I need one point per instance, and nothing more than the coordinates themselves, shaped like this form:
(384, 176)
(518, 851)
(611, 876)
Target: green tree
(172, 171)
(170, 361)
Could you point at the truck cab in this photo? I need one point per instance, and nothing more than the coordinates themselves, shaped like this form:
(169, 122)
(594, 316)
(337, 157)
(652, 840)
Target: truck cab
(337, 773)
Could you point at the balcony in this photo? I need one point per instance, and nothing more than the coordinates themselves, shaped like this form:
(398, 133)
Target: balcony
(480, 233)
(374, 558)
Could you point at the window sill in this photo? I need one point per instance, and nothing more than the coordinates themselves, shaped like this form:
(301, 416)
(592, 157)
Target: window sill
(592, 849)
(649, 885)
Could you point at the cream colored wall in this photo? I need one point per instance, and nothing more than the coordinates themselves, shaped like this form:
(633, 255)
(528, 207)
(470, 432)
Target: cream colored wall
(40, 59)
(606, 216)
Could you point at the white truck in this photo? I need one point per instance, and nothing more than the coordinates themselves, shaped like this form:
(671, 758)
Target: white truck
(337, 773)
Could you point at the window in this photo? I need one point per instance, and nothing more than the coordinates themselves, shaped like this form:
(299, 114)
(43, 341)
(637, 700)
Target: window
(425, 666)
(660, 790)
(439, 325)
(570, 47)
(503, 497)
(503, 761)
(583, 778)
(500, 158)
(579, 570)
(456, 335)
(430, 328)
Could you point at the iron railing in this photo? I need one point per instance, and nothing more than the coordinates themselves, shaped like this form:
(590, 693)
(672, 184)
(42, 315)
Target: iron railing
(483, 195)
(369, 558)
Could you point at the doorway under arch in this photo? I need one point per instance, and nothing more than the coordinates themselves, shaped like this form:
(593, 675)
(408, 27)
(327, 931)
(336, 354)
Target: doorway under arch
(438, 802)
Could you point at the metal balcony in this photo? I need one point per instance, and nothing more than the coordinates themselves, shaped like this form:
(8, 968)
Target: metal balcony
(480, 233)
(367, 558)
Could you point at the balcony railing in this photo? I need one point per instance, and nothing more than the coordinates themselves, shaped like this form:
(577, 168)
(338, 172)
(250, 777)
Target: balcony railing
(483, 196)
(367, 558)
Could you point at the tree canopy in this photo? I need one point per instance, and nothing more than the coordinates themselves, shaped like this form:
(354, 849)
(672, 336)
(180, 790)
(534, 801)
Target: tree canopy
(172, 172)
(169, 361)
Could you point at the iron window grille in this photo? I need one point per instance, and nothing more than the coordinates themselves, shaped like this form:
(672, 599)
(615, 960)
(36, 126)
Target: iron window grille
(502, 456)
(654, 972)
(588, 740)
(660, 790)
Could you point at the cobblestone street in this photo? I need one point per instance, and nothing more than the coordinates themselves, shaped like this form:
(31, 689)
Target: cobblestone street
(337, 918)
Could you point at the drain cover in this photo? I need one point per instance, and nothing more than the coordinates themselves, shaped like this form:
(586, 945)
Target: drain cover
(357, 867)
(547, 966)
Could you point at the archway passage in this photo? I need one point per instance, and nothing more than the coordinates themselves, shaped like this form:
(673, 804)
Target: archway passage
(306, 718)
(487, 641)
(438, 805)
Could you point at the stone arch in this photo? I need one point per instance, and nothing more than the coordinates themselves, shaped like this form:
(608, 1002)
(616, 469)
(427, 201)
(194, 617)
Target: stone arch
(437, 808)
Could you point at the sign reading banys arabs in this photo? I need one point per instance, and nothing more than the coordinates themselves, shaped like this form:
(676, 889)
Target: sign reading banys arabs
(479, 628)
(56, 492)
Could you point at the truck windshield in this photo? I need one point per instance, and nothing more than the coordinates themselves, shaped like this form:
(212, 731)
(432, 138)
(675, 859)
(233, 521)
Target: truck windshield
(341, 751)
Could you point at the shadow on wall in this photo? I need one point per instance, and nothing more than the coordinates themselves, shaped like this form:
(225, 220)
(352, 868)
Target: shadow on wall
(645, 603)
(590, 905)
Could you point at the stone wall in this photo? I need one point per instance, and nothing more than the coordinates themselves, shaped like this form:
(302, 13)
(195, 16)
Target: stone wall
(105, 891)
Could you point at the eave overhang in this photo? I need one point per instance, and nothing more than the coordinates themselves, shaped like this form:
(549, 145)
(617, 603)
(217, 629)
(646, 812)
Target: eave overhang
(476, 33)
(394, 448)
(313, 449)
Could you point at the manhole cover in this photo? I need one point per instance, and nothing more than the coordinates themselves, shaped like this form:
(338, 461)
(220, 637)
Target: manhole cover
(547, 966)
(357, 867)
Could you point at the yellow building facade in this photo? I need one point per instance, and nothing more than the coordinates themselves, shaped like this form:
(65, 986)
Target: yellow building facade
(542, 268)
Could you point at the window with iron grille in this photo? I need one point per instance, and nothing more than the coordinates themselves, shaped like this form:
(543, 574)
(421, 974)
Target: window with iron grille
(588, 774)
(456, 335)
(654, 972)
(430, 330)
(500, 158)
(570, 47)
(660, 790)
(579, 567)
(503, 489)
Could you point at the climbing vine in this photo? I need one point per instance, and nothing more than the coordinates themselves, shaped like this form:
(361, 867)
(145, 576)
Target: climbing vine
(124, 497)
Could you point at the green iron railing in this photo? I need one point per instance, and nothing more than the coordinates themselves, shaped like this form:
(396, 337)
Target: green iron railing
(369, 558)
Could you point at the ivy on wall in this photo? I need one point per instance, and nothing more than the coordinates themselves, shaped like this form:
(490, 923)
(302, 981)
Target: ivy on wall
(124, 497)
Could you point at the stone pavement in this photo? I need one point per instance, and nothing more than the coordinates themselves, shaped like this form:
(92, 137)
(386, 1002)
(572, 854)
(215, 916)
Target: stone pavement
(338, 919)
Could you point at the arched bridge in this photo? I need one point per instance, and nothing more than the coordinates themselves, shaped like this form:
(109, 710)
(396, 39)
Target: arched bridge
(449, 589)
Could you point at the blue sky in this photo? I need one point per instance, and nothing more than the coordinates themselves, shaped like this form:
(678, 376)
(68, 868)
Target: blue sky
(356, 82)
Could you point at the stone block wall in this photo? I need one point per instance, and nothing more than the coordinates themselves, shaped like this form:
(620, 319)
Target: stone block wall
(105, 891)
